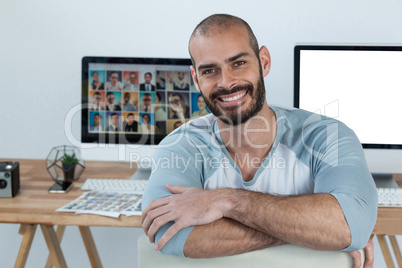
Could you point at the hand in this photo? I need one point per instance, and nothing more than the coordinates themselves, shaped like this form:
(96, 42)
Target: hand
(368, 251)
(186, 207)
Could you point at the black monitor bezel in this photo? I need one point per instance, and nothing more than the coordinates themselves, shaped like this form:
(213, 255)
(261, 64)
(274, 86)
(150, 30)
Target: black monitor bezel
(296, 91)
(121, 138)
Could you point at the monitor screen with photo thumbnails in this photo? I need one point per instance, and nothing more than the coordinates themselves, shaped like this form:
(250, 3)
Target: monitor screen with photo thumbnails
(136, 100)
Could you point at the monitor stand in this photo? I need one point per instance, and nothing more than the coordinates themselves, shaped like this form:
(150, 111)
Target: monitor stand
(142, 173)
(384, 180)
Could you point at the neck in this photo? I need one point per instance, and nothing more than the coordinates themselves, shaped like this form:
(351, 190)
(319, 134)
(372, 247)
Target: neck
(255, 136)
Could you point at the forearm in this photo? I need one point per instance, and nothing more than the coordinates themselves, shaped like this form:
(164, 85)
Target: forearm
(225, 237)
(315, 221)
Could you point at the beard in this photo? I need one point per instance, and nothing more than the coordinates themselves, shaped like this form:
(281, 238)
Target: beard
(234, 115)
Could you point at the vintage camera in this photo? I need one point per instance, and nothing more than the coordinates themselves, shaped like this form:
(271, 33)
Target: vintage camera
(9, 179)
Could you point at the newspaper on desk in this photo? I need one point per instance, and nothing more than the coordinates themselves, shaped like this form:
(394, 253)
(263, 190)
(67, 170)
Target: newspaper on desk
(106, 203)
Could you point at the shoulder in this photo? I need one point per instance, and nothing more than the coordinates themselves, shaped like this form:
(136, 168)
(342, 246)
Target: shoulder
(309, 126)
(315, 137)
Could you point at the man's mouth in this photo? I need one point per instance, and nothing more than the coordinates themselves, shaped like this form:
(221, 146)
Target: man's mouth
(232, 99)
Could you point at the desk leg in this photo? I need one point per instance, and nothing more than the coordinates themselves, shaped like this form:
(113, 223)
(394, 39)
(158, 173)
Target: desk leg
(385, 251)
(28, 232)
(90, 246)
(53, 245)
(396, 249)
(59, 234)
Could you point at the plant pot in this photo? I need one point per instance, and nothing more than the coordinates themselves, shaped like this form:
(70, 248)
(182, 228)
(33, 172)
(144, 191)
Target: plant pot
(68, 171)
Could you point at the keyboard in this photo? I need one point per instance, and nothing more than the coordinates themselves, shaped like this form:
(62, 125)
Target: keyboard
(389, 197)
(114, 185)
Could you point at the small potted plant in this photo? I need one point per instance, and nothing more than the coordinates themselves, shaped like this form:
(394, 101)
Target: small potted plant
(69, 162)
(64, 163)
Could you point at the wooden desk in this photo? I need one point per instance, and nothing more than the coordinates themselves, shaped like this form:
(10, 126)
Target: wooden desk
(389, 222)
(35, 206)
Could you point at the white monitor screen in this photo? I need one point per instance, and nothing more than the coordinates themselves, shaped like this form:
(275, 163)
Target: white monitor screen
(360, 86)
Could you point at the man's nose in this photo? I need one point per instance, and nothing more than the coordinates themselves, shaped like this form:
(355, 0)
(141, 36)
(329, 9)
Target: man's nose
(227, 79)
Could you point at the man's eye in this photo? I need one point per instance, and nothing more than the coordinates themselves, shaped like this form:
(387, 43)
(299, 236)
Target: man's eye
(238, 63)
(209, 71)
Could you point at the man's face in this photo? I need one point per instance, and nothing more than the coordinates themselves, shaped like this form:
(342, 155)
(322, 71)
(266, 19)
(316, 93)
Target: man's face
(97, 98)
(126, 98)
(147, 78)
(130, 119)
(145, 118)
(110, 99)
(180, 75)
(115, 119)
(133, 78)
(96, 119)
(229, 74)
(113, 78)
(146, 100)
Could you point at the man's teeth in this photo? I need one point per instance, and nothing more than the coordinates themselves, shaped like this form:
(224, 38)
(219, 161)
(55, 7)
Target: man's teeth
(234, 97)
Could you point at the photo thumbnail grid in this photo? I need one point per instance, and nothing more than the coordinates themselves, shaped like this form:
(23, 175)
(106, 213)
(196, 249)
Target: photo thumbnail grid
(141, 99)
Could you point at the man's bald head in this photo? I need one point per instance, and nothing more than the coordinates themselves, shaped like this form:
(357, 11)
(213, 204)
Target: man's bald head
(219, 23)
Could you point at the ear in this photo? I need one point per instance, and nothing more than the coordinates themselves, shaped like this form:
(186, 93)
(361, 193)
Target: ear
(194, 76)
(265, 59)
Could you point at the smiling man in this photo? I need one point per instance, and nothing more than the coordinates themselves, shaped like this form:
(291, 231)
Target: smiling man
(255, 175)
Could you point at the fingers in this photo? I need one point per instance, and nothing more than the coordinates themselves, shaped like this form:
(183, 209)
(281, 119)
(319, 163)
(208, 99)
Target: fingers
(167, 236)
(156, 219)
(357, 262)
(369, 256)
(157, 214)
(369, 252)
(175, 208)
(153, 205)
(157, 222)
(176, 189)
(153, 218)
(163, 201)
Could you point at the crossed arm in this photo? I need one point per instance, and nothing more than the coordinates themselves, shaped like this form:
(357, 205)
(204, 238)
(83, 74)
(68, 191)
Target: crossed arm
(234, 221)
(225, 237)
(260, 220)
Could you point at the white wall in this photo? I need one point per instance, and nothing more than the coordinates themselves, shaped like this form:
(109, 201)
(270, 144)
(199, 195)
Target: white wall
(42, 43)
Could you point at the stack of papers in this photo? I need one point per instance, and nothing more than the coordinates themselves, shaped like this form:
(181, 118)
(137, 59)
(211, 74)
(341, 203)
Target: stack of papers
(106, 203)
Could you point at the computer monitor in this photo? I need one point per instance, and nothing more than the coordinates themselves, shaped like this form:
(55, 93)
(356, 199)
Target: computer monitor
(360, 86)
(136, 100)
